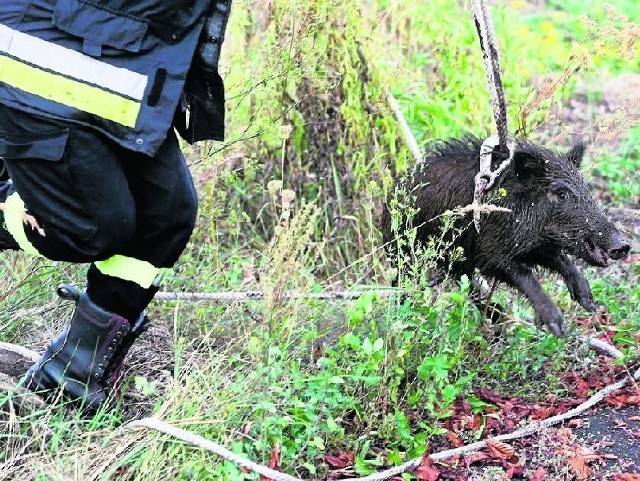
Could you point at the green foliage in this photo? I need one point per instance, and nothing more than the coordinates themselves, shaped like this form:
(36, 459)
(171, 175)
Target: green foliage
(291, 202)
(619, 170)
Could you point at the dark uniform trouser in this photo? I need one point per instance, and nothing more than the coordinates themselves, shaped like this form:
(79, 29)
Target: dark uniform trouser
(97, 202)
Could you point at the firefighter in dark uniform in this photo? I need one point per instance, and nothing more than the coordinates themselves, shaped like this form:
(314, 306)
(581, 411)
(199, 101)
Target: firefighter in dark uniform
(90, 93)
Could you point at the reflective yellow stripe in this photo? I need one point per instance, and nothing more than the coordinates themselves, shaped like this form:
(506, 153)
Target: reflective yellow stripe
(141, 272)
(69, 92)
(72, 64)
(14, 211)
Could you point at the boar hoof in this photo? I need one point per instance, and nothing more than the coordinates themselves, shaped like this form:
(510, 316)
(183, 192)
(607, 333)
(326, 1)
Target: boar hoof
(589, 304)
(554, 323)
(556, 329)
(581, 293)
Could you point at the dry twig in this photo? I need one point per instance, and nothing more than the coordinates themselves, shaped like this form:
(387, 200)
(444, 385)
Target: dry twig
(29, 220)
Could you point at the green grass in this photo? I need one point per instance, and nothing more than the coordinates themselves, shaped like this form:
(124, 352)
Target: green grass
(619, 170)
(291, 202)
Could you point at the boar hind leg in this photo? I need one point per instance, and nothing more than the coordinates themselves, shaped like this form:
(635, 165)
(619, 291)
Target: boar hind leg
(547, 313)
(574, 279)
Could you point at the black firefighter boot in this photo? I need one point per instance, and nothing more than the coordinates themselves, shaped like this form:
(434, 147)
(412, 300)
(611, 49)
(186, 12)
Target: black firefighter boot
(114, 369)
(86, 356)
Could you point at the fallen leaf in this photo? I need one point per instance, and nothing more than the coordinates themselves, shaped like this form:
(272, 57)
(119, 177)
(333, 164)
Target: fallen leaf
(579, 467)
(455, 439)
(565, 435)
(621, 400)
(620, 424)
(579, 464)
(581, 387)
(539, 475)
(471, 423)
(274, 461)
(576, 423)
(626, 477)
(476, 457)
(491, 424)
(342, 460)
(634, 418)
(426, 471)
(543, 413)
(491, 396)
(514, 469)
(499, 449)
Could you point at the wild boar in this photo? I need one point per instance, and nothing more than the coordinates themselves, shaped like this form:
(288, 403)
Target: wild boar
(553, 216)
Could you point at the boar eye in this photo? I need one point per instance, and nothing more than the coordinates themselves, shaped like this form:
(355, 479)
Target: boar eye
(561, 193)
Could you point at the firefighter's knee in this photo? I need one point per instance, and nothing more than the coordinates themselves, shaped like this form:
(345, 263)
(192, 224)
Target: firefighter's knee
(190, 211)
(104, 234)
(113, 231)
(182, 222)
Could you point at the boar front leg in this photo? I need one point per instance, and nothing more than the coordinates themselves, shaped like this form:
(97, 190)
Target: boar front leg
(574, 279)
(522, 278)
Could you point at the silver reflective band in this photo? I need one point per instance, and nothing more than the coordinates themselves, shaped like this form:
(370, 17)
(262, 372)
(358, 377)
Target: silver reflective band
(76, 65)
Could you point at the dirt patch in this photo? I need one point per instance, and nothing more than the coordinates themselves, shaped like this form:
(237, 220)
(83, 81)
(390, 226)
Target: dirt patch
(600, 112)
(617, 434)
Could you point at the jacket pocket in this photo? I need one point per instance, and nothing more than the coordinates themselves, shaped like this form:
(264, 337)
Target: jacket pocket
(40, 166)
(99, 27)
(28, 145)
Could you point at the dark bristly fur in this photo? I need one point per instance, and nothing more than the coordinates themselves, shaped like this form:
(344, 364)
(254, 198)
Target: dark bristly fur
(553, 216)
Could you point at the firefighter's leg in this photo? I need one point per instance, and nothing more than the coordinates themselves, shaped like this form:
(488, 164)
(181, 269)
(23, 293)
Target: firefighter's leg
(73, 183)
(70, 183)
(166, 207)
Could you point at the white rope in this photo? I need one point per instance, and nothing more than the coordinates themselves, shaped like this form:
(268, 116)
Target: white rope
(485, 178)
(484, 27)
(200, 442)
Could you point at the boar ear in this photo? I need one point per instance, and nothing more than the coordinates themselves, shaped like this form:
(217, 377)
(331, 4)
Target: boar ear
(576, 154)
(526, 164)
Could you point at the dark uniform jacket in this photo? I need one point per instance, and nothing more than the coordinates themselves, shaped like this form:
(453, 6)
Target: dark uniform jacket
(130, 69)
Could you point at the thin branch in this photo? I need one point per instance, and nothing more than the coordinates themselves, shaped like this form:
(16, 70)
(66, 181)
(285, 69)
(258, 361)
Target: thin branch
(20, 351)
(241, 296)
(409, 138)
(200, 442)
(604, 347)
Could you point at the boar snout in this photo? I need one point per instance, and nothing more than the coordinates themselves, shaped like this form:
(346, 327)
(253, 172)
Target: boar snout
(619, 248)
(598, 255)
